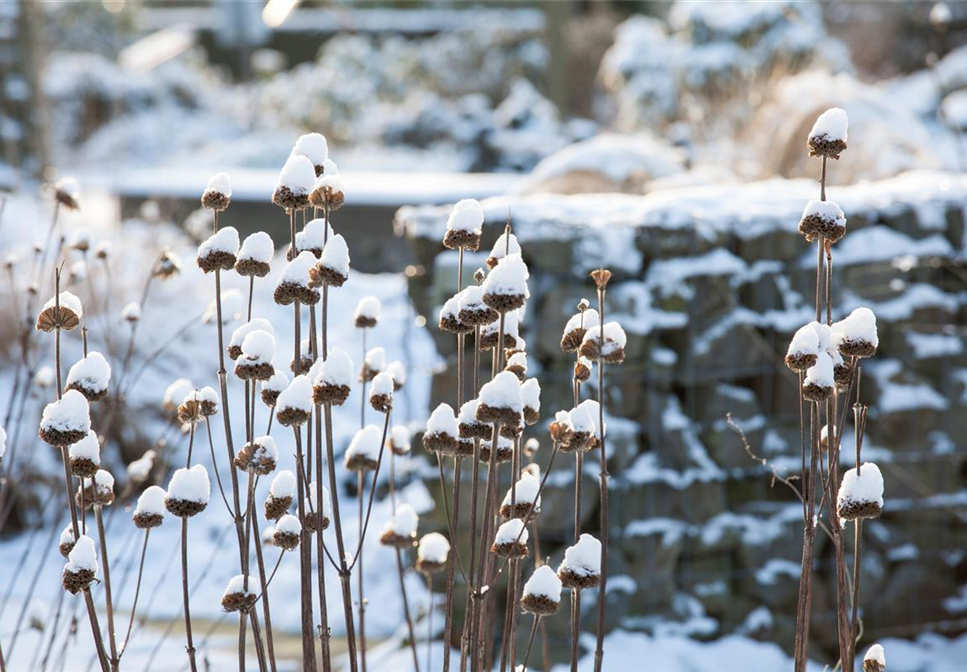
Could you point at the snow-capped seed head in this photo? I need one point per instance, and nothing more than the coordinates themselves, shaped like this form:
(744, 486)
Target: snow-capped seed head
(67, 192)
(329, 191)
(295, 402)
(875, 658)
(400, 530)
(531, 446)
(261, 456)
(168, 265)
(517, 365)
(500, 400)
(218, 194)
(373, 364)
(78, 273)
(464, 225)
(582, 369)
(398, 372)
(450, 317)
(238, 336)
(861, 493)
(581, 567)
(522, 498)
(63, 311)
(90, 376)
(313, 237)
(66, 420)
(819, 381)
(856, 335)
(432, 553)
(66, 542)
(381, 393)
(272, 388)
(511, 336)
(294, 283)
(255, 255)
(506, 244)
(577, 326)
(151, 508)
(283, 485)
(940, 17)
(188, 492)
(505, 288)
(176, 392)
(803, 349)
(288, 532)
(469, 426)
(314, 147)
(333, 379)
(81, 568)
(511, 540)
(219, 251)
(822, 219)
(441, 431)
(364, 450)
(471, 309)
(399, 440)
(367, 312)
(296, 180)
(606, 344)
(44, 377)
(131, 312)
(85, 456)
(258, 347)
(530, 394)
(542, 592)
(99, 490)
(239, 594)
(829, 134)
(333, 266)
(562, 431)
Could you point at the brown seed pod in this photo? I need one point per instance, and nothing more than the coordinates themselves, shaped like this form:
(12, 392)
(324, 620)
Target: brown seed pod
(440, 442)
(276, 507)
(504, 303)
(478, 316)
(252, 268)
(799, 361)
(493, 414)
(184, 508)
(381, 403)
(216, 260)
(53, 318)
(425, 566)
(359, 463)
(455, 239)
(76, 580)
(817, 393)
(238, 601)
(291, 417)
(823, 145)
(320, 275)
(287, 199)
(856, 347)
(325, 393)
(504, 453)
(287, 541)
(510, 549)
(855, 510)
(288, 292)
(58, 438)
(84, 467)
(390, 538)
(365, 322)
(145, 521)
(518, 510)
(539, 605)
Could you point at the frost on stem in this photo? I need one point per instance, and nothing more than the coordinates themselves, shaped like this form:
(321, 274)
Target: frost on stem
(399, 440)
(85, 456)
(255, 256)
(363, 451)
(581, 567)
(151, 508)
(334, 378)
(441, 431)
(66, 421)
(522, 498)
(236, 596)
(219, 252)
(511, 540)
(505, 288)
(188, 492)
(65, 317)
(261, 456)
(367, 312)
(861, 493)
(281, 492)
(432, 553)
(542, 592)
(464, 225)
(296, 180)
(400, 530)
(295, 402)
(81, 568)
(822, 219)
(829, 134)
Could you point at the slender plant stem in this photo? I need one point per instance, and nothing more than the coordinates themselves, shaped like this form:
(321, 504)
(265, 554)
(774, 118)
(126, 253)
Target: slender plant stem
(137, 592)
(108, 600)
(530, 642)
(362, 596)
(604, 476)
(185, 595)
(406, 609)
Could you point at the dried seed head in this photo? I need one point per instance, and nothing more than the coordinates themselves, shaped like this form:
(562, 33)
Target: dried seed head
(60, 312)
(67, 192)
(168, 265)
(583, 305)
(601, 278)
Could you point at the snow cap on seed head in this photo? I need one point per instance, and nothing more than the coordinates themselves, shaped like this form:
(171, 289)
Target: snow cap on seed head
(367, 312)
